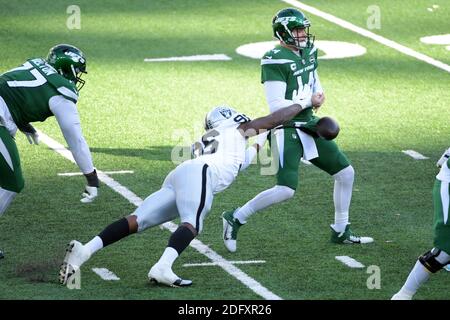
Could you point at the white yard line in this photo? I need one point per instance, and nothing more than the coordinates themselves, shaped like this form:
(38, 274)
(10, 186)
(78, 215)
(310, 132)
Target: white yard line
(248, 281)
(203, 57)
(415, 155)
(349, 261)
(71, 174)
(212, 264)
(105, 274)
(368, 34)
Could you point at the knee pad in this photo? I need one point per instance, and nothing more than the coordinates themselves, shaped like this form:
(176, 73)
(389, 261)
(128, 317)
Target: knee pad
(284, 192)
(346, 174)
(434, 260)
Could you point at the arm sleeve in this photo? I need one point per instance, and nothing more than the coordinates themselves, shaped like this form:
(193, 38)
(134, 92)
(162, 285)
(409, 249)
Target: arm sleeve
(275, 95)
(66, 114)
(317, 87)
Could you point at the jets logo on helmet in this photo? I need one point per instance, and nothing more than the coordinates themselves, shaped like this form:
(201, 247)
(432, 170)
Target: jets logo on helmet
(285, 21)
(75, 57)
(69, 62)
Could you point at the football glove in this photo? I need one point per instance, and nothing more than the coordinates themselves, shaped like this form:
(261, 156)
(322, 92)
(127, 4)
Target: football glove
(91, 190)
(89, 194)
(30, 132)
(443, 158)
(303, 97)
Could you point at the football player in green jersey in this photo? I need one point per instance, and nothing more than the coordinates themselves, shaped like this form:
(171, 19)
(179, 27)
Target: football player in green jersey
(434, 260)
(38, 89)
(286, 69)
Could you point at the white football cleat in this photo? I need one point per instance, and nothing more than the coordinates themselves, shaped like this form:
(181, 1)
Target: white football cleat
(231, 227)
(401, 296)
(163, 274)
(76, 255)
(348, 237)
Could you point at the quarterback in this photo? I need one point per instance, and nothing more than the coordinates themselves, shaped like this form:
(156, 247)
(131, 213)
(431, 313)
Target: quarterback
(39, 89)
(434, 260)
(289, 66)
(188, 190)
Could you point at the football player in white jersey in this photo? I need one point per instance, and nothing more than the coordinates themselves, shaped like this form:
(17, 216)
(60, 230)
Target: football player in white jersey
(188, 190)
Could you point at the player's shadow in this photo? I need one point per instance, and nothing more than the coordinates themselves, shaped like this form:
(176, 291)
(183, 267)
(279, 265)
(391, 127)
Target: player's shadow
(155, 153)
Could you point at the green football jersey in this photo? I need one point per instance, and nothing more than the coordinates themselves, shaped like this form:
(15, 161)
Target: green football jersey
(282, 64)
(28, 89)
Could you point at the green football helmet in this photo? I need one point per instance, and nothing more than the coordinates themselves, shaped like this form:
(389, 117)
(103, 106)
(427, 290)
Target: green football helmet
(69, 61)
(287, 20)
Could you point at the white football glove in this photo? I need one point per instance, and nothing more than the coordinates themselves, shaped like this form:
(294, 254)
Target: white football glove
(32, 137)
(89, 194)
(30, 132)
(303, 97)
(444, 158)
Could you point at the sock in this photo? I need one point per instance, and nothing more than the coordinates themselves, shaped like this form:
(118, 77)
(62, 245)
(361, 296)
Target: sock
(6, 197)
(168, 257)
(263, 200)
(342, 196)
(416, 278)
(114, 232)
(180, 239)
(94, 245)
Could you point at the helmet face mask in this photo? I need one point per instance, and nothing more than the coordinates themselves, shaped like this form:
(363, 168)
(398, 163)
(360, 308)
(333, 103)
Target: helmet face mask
(69, 61)
(217, 115)
(285, 22)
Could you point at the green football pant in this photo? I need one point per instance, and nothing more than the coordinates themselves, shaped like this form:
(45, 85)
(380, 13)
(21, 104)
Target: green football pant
(11, 177)
(441, 195)
(330, 159)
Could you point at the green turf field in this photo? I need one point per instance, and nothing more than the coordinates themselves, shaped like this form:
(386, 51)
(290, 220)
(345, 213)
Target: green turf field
(133, 113)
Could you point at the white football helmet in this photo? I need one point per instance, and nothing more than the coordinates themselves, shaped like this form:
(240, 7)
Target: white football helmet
(217, 115)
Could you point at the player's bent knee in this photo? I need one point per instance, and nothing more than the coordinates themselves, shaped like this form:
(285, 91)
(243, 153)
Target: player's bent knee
(284, 192)
(194, 231)
(434, 260)
(346, 174)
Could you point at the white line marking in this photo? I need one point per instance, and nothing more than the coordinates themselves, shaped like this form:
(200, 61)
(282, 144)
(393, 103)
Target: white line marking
(105, 274)
(249, 282)
(370, 35)
(71, 174)
(332, 49)
(204, 57)
(437, 39)
(415, 154)
(210, 264)
(348, 261)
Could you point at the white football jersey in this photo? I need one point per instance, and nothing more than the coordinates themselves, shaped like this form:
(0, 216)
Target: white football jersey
(224, 151)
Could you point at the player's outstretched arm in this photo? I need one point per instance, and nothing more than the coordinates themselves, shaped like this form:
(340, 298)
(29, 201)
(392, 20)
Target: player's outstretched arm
(301, 101)
(66, 114)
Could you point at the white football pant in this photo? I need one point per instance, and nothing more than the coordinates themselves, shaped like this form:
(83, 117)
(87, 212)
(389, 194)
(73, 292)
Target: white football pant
(186, 192)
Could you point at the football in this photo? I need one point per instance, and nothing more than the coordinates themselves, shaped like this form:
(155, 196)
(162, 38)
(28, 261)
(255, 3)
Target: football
(327, 128)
